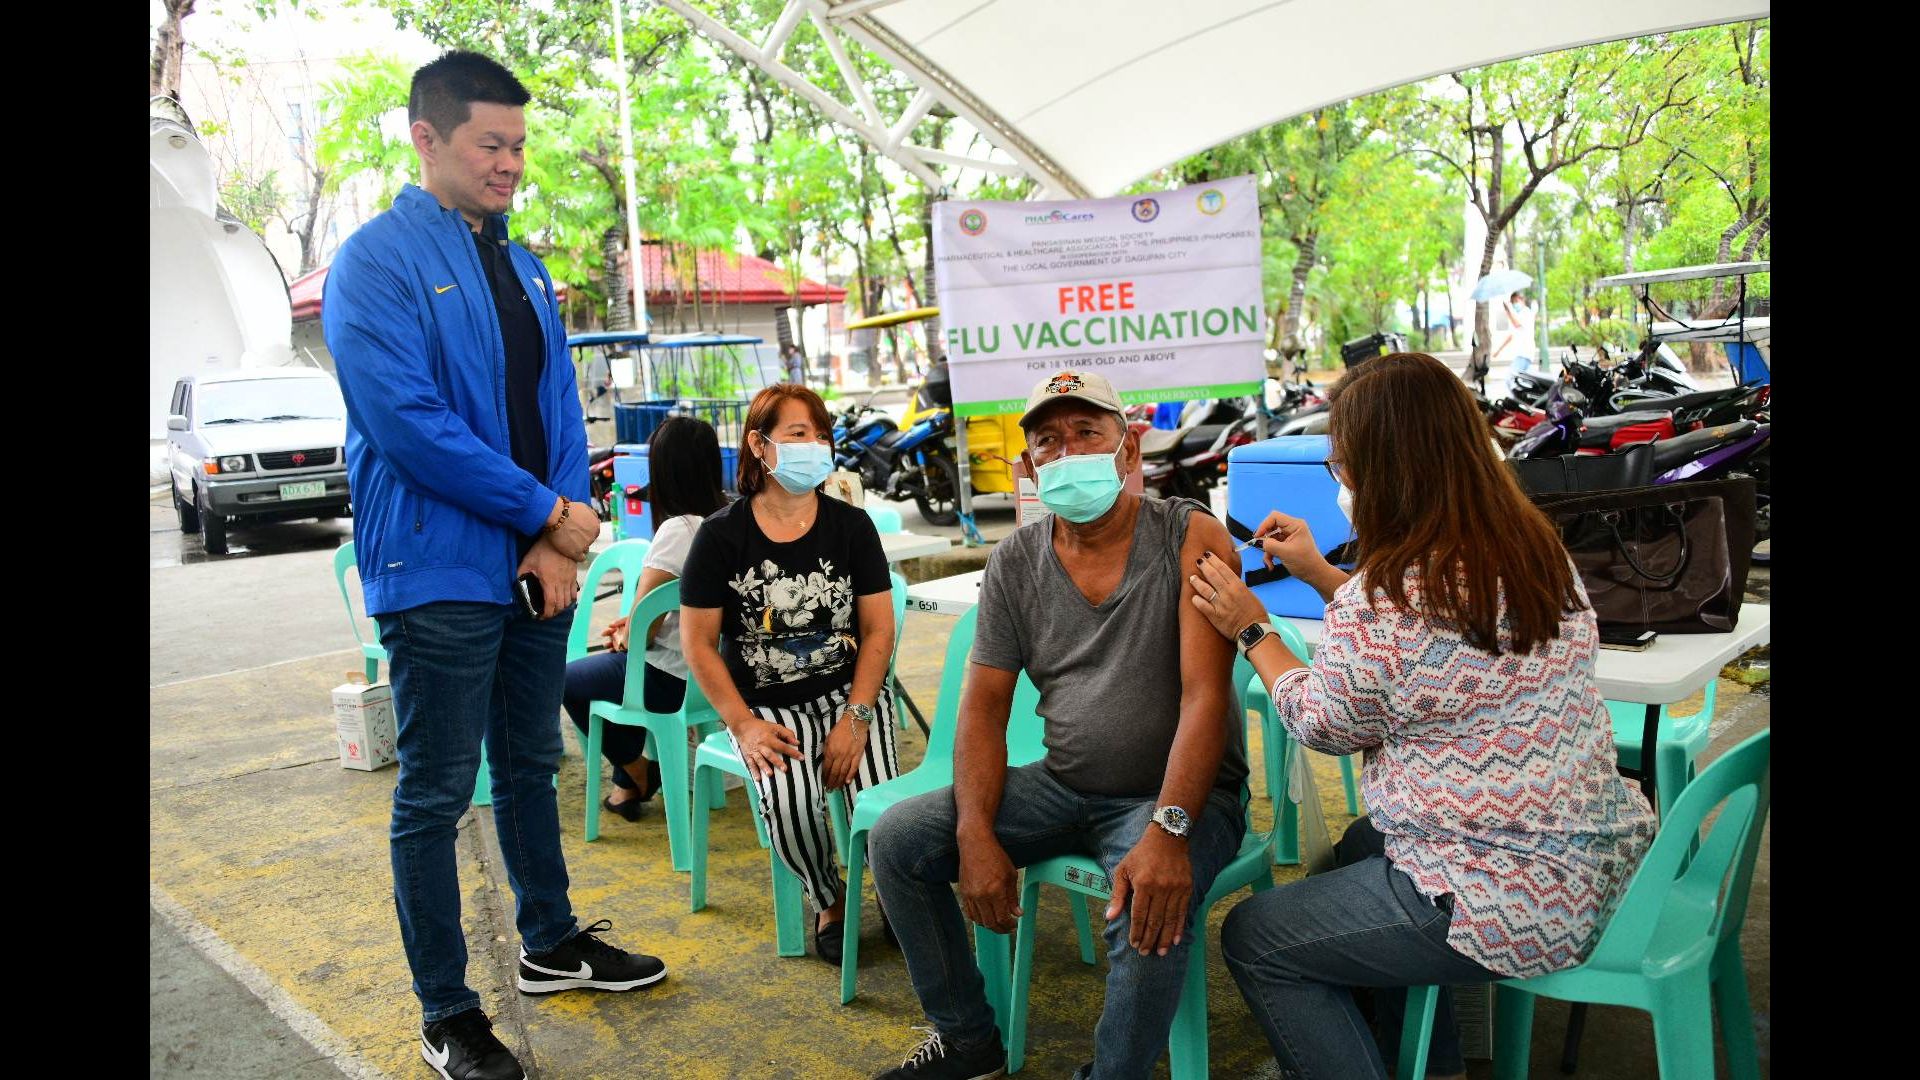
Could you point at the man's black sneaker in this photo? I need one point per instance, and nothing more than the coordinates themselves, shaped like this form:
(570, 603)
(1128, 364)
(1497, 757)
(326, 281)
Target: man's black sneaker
(463, 1047)
(938, 1059)
(584, 962)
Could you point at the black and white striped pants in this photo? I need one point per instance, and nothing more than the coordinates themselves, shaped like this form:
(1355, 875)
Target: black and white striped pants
(793, 804)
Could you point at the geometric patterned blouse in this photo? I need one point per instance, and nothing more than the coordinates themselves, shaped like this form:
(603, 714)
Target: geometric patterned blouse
(1491, 776)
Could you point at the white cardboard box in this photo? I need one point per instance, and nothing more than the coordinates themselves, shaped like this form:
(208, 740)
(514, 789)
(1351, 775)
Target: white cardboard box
(363, 719)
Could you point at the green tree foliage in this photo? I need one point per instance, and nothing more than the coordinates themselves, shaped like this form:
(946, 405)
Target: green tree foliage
(1628, 155)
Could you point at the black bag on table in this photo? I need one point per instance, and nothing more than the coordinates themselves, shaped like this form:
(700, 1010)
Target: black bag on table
(1630, 468)
(1671, 558)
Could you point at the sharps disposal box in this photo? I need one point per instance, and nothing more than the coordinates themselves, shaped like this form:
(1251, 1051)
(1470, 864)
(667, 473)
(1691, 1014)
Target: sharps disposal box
(1288, 474)
(363, 718)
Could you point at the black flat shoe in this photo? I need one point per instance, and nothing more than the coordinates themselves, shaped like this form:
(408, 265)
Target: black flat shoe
(827, 942)
(629, 809)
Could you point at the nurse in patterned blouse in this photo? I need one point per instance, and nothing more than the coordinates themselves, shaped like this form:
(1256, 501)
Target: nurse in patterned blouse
(1459, 659)
(786, 620)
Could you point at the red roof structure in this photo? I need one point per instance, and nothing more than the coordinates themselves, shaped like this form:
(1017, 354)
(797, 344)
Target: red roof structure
(724, 279)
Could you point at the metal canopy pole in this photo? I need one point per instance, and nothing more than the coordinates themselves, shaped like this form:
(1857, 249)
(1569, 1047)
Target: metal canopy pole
(636, 273)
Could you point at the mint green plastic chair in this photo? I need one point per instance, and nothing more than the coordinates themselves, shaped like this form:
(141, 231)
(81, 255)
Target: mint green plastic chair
(1286, 847)
(1024, 746)
(1672, 947)
(1084, 877)
(716, 759)
(371, 651)
(375, 654)
(628, 558)
(666, 732)
(1683, 739)
(885, 519)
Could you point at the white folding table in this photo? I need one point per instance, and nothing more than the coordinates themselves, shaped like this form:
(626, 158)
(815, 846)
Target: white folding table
(1673, 668)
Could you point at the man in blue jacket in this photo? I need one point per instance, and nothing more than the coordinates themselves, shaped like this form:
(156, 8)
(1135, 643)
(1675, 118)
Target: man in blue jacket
(468, 460)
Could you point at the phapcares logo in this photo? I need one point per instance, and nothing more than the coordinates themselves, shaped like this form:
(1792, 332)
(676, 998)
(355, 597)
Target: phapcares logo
(1059, 217)
(1211, 201)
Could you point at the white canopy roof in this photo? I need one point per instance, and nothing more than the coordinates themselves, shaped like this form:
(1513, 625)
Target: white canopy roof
(1089, 95)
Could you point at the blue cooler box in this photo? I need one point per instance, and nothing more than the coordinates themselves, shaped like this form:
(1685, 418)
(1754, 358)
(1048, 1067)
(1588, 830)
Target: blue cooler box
(1288, 474)
(629, 479)
(630, 475)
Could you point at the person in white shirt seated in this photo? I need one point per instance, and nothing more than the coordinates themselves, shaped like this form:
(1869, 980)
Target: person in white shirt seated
(683, 489)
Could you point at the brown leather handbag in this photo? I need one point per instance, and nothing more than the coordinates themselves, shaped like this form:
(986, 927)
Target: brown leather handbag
(1671, 558)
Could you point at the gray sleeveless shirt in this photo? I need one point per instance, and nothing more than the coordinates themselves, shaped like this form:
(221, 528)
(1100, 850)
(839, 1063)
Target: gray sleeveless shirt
(1108, 676)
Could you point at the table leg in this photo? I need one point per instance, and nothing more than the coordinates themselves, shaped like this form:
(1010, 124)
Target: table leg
(1649, 736)
(1570, 1050)
(913, 710)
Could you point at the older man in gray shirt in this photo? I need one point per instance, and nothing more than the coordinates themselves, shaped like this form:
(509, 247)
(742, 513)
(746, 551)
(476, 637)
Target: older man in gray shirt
(1146, 756)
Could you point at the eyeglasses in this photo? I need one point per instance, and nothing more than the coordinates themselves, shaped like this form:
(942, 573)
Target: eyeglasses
(1337, 470)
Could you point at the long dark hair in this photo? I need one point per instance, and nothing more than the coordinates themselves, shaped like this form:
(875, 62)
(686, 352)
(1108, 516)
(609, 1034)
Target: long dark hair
(1430, 493)
(683, 470)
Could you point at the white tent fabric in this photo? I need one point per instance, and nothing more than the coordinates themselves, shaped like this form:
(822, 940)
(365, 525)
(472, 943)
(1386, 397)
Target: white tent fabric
(1101, 92)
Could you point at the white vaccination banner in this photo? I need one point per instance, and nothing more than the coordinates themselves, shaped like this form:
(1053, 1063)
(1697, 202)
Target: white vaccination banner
(1160, 293)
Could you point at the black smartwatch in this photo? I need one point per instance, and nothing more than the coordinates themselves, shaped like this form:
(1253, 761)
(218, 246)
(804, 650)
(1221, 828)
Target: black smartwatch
(1253, 635)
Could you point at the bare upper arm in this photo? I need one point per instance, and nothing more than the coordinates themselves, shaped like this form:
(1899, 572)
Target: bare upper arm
(875, 613)
(699, 627)
(988, 696)
(1206, 658)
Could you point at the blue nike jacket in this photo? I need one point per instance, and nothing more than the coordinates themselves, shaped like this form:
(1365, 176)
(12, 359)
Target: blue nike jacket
(438, 502)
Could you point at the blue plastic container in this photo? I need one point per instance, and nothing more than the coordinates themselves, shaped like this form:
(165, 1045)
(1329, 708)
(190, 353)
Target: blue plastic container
(1747, 362)
(635, 422)
(630, 474)
(630, 477)
(1288, 474)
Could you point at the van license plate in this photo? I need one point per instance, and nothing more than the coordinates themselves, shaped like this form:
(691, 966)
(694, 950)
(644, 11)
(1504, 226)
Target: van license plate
(312, 490)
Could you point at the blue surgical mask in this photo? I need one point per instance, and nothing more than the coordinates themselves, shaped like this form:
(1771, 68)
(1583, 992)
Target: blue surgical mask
(1081, 487)
(802, 466)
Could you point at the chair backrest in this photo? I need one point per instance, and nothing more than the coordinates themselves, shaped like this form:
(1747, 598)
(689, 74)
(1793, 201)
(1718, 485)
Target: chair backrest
(661, 600)
(885, 519)
(1707, 900)
(899, 615)
(626, 556)
(1247, 679)
(946, 708)
(343, 560)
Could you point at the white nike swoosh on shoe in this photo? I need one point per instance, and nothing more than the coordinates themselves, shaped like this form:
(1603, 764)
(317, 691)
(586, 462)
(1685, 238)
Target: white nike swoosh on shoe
(585, 972)
(436, 1058)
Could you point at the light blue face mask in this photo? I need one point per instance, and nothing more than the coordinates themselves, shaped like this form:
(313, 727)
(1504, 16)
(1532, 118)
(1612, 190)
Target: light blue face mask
(1081, 487)
(802, 466)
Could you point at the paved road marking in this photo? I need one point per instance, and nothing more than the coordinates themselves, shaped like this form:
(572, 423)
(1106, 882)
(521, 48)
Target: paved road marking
(290, 1012)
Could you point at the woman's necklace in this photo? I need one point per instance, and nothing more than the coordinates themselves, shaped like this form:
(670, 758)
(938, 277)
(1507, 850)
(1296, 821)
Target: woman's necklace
(799, 524)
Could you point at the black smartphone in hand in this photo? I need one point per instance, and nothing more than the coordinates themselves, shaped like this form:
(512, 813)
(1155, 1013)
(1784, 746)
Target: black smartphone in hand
(533, 598)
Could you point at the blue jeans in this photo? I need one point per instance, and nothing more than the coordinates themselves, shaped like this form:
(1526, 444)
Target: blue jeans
(916, 860)
(462, 671)
(1296, 950)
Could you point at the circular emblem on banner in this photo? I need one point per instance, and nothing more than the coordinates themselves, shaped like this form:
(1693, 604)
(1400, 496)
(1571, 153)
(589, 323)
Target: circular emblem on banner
(1211, 201)
(973, 222)
(1145, 210)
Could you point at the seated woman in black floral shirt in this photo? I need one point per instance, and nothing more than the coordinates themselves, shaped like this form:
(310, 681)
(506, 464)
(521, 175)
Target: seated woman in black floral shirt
(787, 625)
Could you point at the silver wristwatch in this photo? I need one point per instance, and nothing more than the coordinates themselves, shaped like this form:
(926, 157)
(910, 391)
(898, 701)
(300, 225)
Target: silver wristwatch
(862, 713)
(1173, 819)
